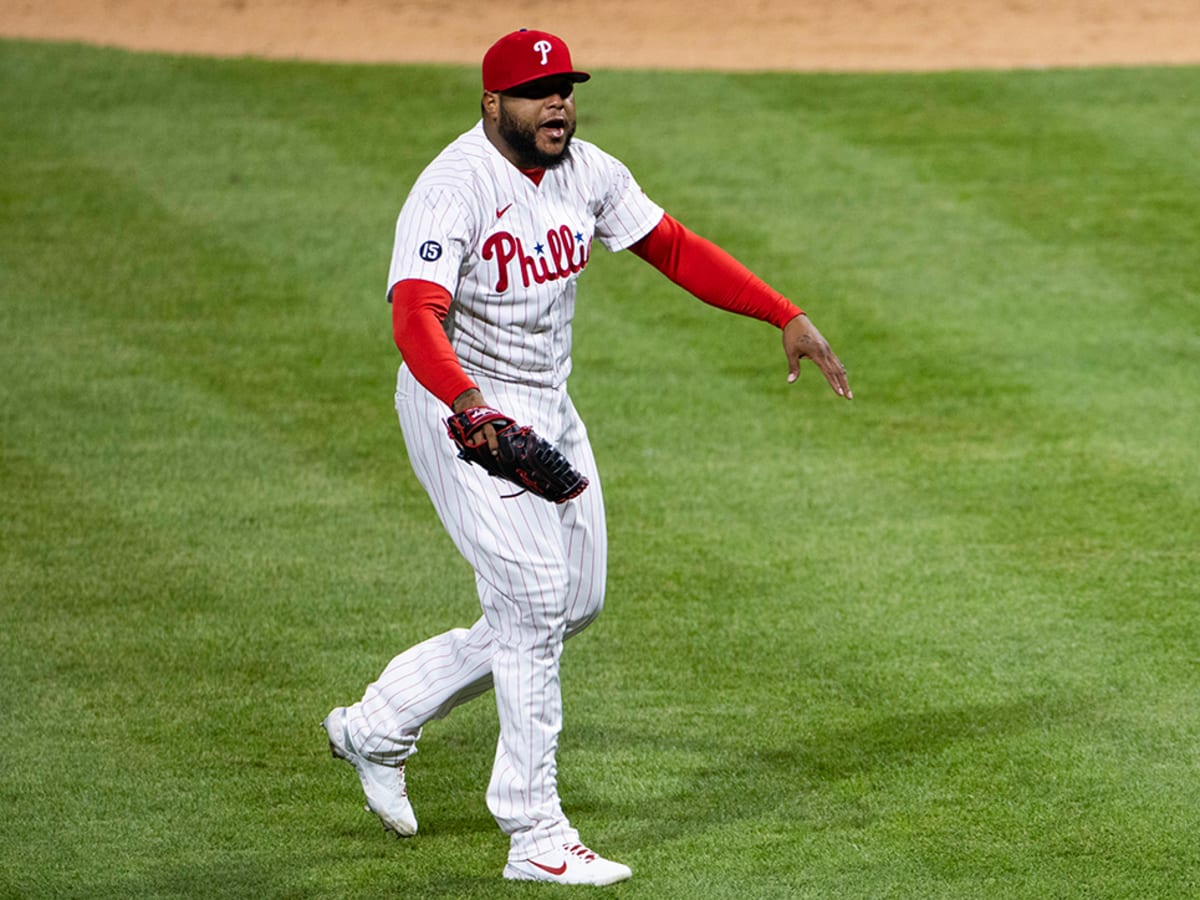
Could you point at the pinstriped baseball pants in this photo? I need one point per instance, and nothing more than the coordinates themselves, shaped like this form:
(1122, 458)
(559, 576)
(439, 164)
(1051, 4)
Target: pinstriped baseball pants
(539, 571)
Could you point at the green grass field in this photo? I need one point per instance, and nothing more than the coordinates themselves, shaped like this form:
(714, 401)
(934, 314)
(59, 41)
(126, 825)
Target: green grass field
(940, 642)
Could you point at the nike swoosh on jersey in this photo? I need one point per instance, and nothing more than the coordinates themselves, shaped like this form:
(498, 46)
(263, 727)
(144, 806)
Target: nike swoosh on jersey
(501, 212)
(559, 870)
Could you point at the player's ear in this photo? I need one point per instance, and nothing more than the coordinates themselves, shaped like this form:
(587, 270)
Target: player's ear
(489, 106)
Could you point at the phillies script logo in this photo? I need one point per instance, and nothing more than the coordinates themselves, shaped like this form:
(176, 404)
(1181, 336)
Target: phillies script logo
(563, 254)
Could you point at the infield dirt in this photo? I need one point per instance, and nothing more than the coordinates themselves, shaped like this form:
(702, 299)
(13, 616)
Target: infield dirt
(815, 35)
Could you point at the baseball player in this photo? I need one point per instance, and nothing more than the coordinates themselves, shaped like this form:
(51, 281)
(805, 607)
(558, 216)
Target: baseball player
(488, 250)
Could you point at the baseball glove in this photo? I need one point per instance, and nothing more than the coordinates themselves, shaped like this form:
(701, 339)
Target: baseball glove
(530, 462)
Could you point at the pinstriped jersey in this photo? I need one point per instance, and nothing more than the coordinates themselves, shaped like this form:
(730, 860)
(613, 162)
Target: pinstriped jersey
(510, 251)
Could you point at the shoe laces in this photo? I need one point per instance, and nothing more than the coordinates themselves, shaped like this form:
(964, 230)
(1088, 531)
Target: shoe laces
(581, 851)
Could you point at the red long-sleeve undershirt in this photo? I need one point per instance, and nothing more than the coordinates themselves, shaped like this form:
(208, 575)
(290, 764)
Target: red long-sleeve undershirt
(705, 270)
(692, 262)
(418, 310)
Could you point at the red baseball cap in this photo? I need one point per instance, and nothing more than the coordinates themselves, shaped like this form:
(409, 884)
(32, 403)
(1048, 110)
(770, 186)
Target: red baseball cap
(526, 56)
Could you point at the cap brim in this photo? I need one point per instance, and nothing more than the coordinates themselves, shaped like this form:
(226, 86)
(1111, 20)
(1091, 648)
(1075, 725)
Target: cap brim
(577, 77)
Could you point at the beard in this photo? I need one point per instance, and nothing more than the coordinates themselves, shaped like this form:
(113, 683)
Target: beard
(522, 139)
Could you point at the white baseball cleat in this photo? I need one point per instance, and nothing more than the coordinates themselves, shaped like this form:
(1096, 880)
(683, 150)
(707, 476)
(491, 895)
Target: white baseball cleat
(573, 864)
(387, 796)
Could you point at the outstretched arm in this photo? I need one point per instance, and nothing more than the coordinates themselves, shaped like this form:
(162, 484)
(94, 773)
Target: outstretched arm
(711, 274)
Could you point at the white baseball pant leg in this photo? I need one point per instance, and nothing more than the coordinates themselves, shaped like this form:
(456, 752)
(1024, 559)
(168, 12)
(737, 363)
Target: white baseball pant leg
(540, 572)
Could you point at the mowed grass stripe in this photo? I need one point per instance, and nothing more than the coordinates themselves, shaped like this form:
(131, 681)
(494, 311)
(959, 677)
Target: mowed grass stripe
(1129, 492)
(186, 547)
(934, 643)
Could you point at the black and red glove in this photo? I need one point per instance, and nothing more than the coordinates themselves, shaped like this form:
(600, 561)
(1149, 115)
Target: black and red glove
(522, 457)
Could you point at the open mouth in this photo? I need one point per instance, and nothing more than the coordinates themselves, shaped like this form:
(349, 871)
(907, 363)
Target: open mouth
(555, 128)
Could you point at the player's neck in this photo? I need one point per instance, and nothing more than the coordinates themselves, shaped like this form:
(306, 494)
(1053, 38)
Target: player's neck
(535, 174)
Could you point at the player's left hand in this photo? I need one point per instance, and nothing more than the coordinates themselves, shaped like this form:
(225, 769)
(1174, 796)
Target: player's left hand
(524, 458)
(801, 340)
(487, 434)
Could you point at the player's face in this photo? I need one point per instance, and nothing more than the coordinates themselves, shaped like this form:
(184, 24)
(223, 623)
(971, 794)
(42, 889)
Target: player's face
(537, 121)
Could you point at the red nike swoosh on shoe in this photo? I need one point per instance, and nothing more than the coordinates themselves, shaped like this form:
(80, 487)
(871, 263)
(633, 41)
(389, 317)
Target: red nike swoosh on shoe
(553, 871)
(501, 212)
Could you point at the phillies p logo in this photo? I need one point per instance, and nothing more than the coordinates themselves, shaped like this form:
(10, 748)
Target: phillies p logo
(544, 48)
